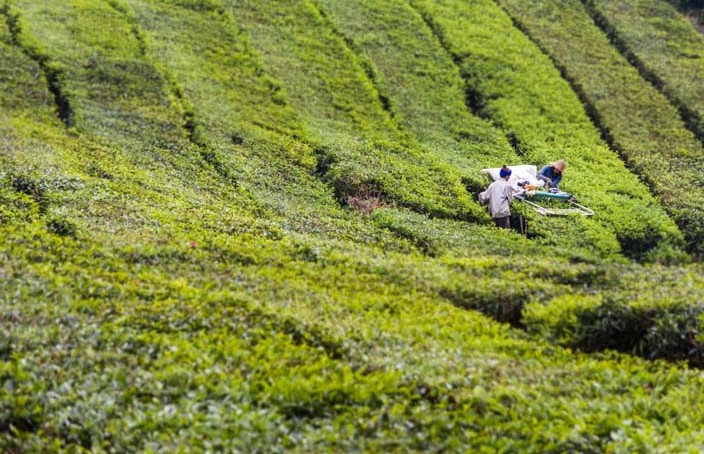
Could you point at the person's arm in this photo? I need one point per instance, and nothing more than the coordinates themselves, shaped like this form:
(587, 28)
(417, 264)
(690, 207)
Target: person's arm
(484, 196)
(556, 180)
(548, 176)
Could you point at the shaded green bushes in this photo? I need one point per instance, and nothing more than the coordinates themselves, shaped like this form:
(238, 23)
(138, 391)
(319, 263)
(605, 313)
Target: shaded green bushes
(639, 122)
(634, 310)
(522, 93)
(655, 331)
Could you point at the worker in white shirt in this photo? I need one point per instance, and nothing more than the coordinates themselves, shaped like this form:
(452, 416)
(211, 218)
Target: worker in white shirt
(499, 196)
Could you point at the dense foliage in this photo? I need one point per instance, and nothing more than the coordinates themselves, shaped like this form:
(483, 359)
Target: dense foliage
(226, 226)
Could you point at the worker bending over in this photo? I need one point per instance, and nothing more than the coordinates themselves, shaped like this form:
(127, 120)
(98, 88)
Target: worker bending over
(551, 174)
(499, 196)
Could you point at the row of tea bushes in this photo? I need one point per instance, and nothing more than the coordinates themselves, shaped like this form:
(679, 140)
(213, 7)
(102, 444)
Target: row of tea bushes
(362, 153)
(244, 116)
(638, 120)
(420, 83)
(651, 313)
(118, 99)
(427, 97)
(456, 238)
(520, 90)
(664, 45)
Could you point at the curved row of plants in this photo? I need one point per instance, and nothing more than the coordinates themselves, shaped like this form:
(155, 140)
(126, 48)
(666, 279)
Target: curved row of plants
(520, 90)
(664, 45)
(654, 314)
(428, 99)
(262, 142)
(638, 120)
(421, 85)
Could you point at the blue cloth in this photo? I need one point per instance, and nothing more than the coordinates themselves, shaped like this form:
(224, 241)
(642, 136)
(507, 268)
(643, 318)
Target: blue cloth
(549, 172)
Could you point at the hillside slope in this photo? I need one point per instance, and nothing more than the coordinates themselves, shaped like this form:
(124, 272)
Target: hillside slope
(231, 226)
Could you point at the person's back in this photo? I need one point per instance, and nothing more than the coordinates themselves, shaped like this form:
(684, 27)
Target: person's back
(499, 195)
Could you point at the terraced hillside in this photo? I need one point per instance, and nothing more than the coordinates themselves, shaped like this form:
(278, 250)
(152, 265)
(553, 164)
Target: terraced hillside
(638, 120)
(234, 225)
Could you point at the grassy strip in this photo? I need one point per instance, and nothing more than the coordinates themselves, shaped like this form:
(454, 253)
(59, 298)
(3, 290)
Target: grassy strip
(523, 93)
(333, 96)
(421, 84)
(638, 121)
(52, 73)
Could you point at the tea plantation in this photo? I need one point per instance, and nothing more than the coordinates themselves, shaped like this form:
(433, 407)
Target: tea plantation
(252, 226)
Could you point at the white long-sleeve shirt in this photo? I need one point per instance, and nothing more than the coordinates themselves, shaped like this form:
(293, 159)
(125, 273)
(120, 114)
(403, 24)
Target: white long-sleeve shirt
(499, 195)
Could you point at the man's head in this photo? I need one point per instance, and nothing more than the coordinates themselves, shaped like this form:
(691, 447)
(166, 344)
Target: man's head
(505, 173)
(559, 166)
